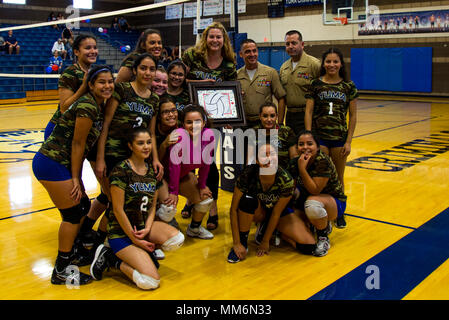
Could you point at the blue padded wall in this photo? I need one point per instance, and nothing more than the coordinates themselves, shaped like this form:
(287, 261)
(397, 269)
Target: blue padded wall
(392, 69)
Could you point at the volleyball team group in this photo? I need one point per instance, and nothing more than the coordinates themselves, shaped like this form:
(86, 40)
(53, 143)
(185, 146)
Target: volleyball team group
(130, 127)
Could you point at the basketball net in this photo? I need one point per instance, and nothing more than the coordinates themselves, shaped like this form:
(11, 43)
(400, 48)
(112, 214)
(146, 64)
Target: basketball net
(343, 20)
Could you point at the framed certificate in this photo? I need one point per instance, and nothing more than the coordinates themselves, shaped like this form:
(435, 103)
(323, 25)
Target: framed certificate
(221, 100)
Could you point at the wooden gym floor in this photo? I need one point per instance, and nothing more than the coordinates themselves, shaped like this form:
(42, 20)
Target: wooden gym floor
(394, 247)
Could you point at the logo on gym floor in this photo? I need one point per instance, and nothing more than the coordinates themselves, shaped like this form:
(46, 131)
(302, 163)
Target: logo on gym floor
(20, 144)
(405, 155)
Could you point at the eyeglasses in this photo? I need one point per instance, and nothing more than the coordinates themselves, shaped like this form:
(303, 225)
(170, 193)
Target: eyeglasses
(165, 112)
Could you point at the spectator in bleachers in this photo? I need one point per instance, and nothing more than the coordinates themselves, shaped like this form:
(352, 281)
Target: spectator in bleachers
(67, 39)
(59, 47)
(114, 25)
(124, 25)
(56, 60)
(52, 17)
(60, 17)
(11, 43)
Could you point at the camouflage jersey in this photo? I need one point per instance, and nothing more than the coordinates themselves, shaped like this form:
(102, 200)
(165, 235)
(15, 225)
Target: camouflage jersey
(139, 196)
(198, 69)
(132, 111)
(249, 183)
(331, 108)
(181, 100)
(72, 79)
(58, 146)
(286, 139)
(322, 166)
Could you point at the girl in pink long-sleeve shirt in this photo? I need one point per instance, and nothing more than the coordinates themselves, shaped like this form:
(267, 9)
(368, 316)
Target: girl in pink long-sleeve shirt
(194, 150)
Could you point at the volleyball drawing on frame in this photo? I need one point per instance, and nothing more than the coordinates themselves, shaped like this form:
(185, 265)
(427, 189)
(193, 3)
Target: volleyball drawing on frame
(222, 101)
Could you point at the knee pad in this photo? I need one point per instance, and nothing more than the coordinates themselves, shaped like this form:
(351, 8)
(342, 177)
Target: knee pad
(166, 213)
(73, 215)
(248, 204)
(145, 282)
(204, 205)
(174, 243)
(314, 209)
(103, 198)
(85, 204)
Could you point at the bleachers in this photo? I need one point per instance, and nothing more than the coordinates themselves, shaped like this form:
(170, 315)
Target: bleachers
(35, 52)
(118, 39)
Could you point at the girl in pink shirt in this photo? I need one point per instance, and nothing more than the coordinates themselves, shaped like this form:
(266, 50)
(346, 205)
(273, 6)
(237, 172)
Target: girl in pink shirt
(194, 150)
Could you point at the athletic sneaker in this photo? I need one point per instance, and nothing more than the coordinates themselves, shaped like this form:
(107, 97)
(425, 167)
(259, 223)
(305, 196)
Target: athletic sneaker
(277, 238)
(100, 262)
(261, 227)
(159, 254)
(322, 246)
(232, 256)
(199, 232)
(329, 228)
(89, 238)
(340, 223)
(70, 277)
(81, 255)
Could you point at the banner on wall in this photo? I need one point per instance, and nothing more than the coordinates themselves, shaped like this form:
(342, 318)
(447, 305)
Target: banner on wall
(190, 10)
(406, 22)
(203, 24)
(276, 8)
(241, 5)
(212, 7)
(173, 12)
(297, 3)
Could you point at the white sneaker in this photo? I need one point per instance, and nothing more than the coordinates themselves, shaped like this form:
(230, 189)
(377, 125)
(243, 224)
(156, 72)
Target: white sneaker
(199, 232)
(159, 254)
(322, 247)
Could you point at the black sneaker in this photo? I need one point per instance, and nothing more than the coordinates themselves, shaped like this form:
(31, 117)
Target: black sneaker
(70, 276)
(232, 256)
(340, 223)
(100, 262)
(260, 232)
(88, 239)
(81, 255)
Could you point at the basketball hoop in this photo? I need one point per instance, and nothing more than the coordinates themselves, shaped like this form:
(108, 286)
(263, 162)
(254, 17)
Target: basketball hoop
(343, 20)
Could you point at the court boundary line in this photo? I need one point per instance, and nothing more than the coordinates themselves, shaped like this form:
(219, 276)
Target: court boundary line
(395, 127)
(380, 221)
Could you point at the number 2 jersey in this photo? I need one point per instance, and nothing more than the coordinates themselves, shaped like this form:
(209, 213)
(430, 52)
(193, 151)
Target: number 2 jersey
(132, 111)
(139, 196)
(331, 108)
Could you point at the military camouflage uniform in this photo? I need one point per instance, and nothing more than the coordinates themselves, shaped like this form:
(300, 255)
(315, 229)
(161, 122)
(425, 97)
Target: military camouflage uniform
(181, 100)
(286, 139)
(249, 183)
(139, 196)
(198, 69)
(72, 79)
(322, 166)
(58, 146)
(132, 111)
(331, 124)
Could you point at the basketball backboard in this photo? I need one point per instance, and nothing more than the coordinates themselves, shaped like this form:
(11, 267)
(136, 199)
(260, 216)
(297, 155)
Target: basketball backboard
(341, 11)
